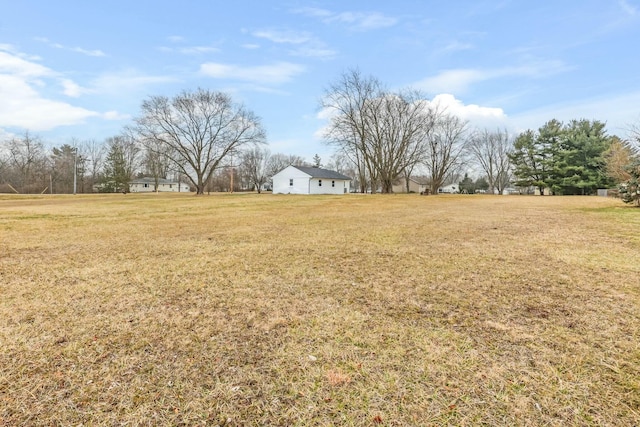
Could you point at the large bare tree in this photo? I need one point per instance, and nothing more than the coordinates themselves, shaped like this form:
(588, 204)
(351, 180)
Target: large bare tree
(352, 101)
(446, 146)
(199, 129)
(491, 150)
(383, 133)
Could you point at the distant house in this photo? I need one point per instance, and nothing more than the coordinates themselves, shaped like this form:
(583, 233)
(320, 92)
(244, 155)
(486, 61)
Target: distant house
(310, 180)
(148, 185)
(449, 189)
(416, 185)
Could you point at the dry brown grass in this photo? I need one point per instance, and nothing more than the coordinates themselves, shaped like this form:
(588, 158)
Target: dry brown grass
(281, 310)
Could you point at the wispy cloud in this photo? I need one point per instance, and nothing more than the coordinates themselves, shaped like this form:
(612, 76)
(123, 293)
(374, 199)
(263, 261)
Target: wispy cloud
(459, 80)
(88, 52)
(618, 111)
(314, 52)
(127, 80)
(283, 36)
(306, 45)
(180, 47)
(358, 21)
(114, 115)
(190, 50)
(628, 8)
(277, 73)
(455, 46)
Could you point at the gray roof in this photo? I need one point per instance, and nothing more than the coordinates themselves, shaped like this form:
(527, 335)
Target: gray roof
(321, 173)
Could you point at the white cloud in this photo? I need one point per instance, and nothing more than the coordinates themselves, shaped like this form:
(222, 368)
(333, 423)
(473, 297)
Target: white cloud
(459, 80)
(14, 64)
(618, 111)
(359, 21)
(71, 88)
(277, 73)
(306, 45)
(477, 115)
(24, 107)
(94, 52)
(176, 39)
(251, 46)
(314, 12)
(190, 50)
(114, 115)
(628, 8)
(283, 36)
(314, 52)
(126, 81)
(88, 52)
(364, 21)
(456, 46)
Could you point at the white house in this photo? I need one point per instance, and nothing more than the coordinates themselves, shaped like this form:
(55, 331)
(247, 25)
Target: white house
(147, 185)
(449, 189)
(310, 180)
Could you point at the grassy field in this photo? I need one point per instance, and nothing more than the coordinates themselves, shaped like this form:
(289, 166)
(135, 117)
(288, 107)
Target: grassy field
(243, 310)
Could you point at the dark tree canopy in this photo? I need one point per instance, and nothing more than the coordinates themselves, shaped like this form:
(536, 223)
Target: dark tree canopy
(568, 159)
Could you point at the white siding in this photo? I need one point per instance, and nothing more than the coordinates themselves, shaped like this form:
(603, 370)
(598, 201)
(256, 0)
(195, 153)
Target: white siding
(148, 187)
(329, 186)
(291, 181)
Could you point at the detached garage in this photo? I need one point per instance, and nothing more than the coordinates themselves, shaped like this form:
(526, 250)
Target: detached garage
(310, 180)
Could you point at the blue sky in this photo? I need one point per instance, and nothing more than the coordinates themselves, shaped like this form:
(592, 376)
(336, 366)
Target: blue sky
(80, 69)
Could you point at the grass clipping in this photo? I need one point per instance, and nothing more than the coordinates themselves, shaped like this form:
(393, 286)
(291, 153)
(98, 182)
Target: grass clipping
(244, 310)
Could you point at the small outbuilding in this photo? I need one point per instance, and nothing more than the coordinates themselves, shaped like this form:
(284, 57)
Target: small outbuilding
(310, 180)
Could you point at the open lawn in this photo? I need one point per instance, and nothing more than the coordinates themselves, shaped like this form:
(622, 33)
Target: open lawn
(243, 310)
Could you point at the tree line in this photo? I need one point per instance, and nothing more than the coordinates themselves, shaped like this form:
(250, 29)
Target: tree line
(390, 135)
(380, 138)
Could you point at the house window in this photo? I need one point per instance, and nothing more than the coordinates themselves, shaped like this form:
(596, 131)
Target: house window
(319, 183)
(146, 186)
(170, 185)
(290, 182)
(333, 183)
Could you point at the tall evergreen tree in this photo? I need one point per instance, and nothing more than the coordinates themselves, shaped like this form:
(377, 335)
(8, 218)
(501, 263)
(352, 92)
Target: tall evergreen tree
(568, 159)
(529, 161)
(119, 164)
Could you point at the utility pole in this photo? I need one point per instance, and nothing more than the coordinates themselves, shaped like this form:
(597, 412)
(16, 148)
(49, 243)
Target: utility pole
(75, 169)
(231, 167)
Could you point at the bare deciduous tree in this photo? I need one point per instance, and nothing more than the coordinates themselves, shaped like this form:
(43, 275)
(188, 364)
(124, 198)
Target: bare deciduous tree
(26, 164)
(383, 133)
(200, 129)
(446, 146)
(94, 152)
(279, 161)
(351, 101)
(491, 150)
(255, 165)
